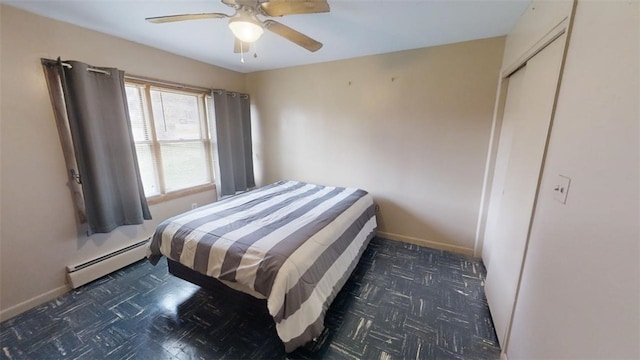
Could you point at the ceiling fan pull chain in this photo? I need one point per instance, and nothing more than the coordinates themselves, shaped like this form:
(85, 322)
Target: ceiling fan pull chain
(241, 52)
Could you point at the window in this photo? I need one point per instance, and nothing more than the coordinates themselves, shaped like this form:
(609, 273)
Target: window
(171, 133)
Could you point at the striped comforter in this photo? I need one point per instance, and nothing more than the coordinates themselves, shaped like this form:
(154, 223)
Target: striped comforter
(293, 243)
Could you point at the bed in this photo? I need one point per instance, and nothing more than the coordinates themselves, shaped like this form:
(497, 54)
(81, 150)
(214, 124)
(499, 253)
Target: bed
(292, 243)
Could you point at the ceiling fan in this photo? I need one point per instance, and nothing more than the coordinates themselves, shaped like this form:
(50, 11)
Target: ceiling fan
(247, 27)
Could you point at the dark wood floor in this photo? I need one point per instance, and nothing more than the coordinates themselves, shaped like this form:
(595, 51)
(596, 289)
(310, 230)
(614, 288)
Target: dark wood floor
(402, 302)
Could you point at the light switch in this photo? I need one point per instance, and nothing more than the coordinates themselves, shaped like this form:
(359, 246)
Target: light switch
(561, 188)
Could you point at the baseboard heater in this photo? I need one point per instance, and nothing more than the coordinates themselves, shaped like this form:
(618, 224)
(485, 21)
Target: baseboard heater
(94, 269)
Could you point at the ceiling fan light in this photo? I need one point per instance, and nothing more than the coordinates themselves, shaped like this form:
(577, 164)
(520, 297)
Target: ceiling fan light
(245, 30)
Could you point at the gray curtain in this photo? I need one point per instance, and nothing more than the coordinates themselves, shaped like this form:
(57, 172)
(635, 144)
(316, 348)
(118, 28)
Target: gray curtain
(233, 137)
(102, 140)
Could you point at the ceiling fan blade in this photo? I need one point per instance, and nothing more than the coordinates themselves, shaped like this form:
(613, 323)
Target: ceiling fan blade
(237, 4)
(236, 46)
(183, 17)
(290, 7)
(292, 35)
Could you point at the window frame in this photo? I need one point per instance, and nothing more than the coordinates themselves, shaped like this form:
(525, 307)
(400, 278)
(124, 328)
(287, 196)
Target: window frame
(204, 96)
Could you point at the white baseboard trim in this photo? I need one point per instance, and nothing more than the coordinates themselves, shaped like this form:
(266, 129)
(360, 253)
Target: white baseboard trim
(427, 243)
(18, 309)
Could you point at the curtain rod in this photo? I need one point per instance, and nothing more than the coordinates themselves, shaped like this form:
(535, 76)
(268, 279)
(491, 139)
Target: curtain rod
(167, 83)
(181, 86)
(231, 93)
(88, 69)
(159, 82)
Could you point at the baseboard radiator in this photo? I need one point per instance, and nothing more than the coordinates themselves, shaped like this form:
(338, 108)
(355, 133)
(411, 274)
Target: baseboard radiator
(89, 271)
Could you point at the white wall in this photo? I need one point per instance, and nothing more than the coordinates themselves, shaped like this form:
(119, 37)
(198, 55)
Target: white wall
(580, 288)
(410, 127)
(38, 228)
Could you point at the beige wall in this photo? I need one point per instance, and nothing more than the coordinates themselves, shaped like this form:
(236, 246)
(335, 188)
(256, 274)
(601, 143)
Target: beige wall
(580, 288)
(38, 228)
(410, 127)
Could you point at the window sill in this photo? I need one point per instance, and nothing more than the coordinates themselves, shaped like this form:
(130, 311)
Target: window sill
(179, 193)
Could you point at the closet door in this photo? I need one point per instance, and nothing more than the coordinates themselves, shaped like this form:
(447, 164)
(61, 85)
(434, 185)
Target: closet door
(523, 139)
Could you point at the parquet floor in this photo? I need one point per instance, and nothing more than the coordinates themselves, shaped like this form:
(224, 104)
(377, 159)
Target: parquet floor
(402, 302)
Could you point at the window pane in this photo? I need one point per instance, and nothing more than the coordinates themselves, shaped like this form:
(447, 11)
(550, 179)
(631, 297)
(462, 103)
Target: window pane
(176, 116)
(180, 123)
(185, 165)
(139, 125)
(147, 167)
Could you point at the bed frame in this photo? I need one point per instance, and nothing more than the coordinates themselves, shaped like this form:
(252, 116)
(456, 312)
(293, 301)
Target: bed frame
(214, 285)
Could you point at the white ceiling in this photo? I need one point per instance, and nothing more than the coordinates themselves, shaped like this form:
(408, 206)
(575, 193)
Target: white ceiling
(351, 29)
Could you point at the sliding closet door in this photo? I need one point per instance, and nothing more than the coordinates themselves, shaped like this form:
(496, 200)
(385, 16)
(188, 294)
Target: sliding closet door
(514, 97)
(523, 139)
